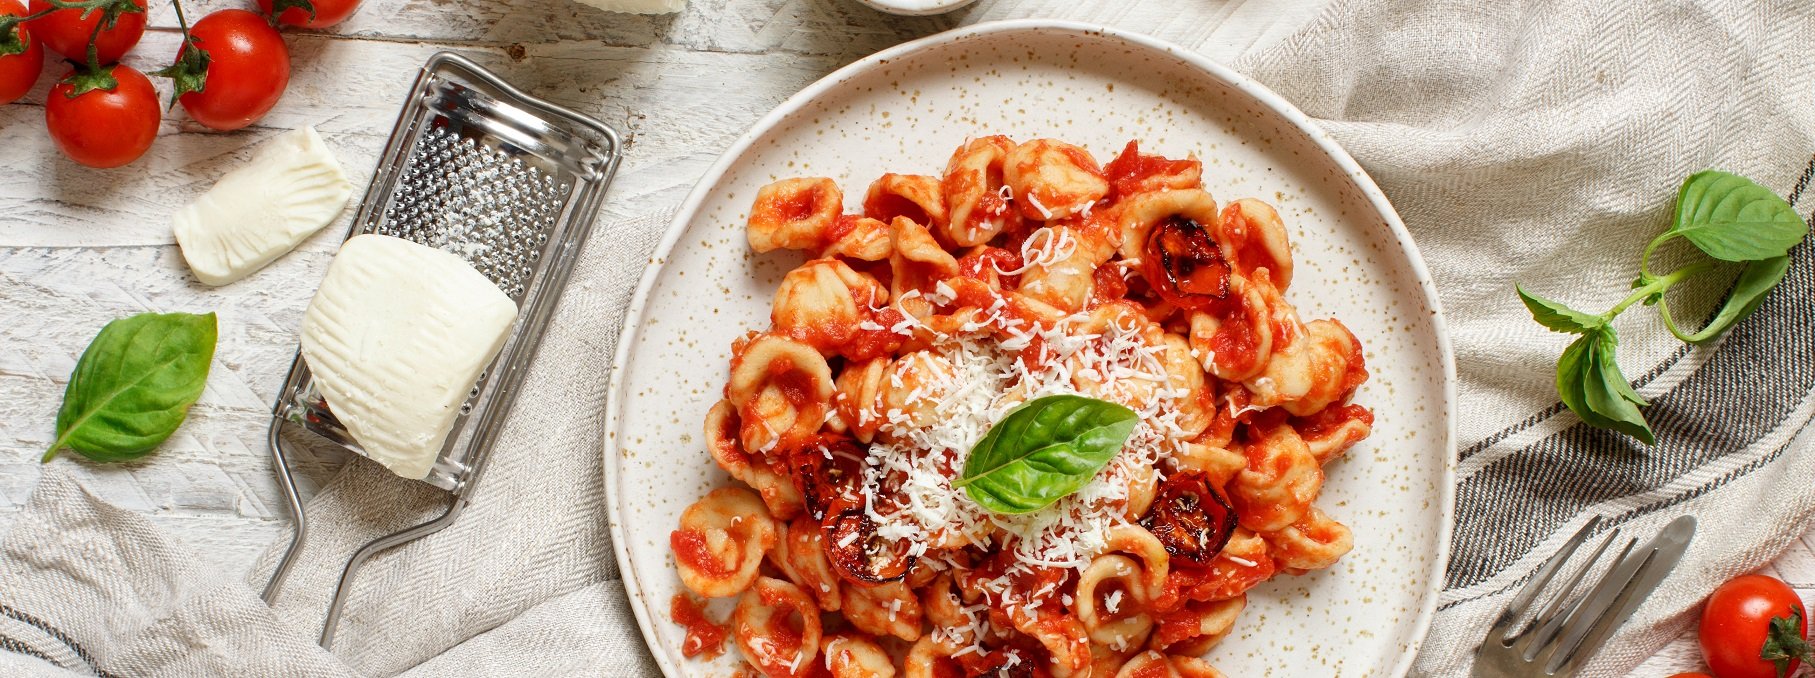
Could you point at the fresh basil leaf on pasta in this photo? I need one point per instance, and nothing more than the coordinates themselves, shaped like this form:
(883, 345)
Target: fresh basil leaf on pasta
(1557, 317)
(134, 384)
(1731, 218)
(1043, 451)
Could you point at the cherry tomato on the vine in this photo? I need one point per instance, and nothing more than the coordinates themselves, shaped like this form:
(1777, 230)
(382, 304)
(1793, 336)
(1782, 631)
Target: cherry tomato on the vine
(248, 69)
(66, 31)
(104, 127)
(21, 57)
(298, 12)
(1754, 627)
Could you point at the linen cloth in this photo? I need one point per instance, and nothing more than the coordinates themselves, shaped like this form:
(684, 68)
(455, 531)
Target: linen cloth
(1533, 141)
(1542, 142)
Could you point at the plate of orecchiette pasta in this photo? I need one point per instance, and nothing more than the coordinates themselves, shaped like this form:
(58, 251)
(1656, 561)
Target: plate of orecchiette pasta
(1033, 349)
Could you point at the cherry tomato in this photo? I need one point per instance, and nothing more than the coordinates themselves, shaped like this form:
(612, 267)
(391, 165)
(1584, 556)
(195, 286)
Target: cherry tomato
(1184, 265)
(326, 12)
(18, 70)
(829, 475)
(66, 32)
(1738, 622)
(248, 68)
(104, 128)
(1192, 521)
(859, 554)
(1691, 675)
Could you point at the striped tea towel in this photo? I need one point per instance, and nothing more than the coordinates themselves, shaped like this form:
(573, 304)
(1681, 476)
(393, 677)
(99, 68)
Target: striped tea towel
(1542, 142)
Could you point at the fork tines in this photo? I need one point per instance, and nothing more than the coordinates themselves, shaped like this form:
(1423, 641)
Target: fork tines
(1571, 627)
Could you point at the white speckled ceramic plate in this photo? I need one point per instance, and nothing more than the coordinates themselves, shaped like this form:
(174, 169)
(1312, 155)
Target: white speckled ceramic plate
(905, 110)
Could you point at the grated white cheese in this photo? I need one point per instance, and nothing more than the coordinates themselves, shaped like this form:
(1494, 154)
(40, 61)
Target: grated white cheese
(910, 466)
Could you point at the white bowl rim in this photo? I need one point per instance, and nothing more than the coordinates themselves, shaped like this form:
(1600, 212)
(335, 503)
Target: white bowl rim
(913, 8)
(690, 207)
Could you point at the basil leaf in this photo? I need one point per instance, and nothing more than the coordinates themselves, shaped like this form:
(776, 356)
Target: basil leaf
(134, 385)
(1557, 317)
(1572, 373)
(1608, 393)
(1043, 451)
(1755, 281)
(1733, 219)
(1591, 385)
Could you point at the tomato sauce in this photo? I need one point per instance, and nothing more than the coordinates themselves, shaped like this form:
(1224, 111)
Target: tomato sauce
(690, 549)
(1331, 418)
(781, 636)
(867, 344)
(840, 228)
(886, 205)
(1131, 172)
(1108, 286)
(1234, 343)
(987, 263)
(703, 636)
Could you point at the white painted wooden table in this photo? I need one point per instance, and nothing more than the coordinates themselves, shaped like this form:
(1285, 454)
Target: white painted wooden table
(79, 247)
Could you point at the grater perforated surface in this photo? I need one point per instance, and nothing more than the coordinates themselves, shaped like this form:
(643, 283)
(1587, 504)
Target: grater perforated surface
(478, 200)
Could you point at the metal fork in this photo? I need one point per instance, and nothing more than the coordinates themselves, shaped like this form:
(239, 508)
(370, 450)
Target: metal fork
(1570, 628)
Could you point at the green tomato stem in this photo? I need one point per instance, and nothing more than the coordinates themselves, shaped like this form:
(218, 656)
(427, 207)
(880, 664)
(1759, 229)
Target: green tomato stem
(1658, 285)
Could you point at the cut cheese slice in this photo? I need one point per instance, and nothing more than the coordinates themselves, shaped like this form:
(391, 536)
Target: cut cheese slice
(396, 338)
(292, 187)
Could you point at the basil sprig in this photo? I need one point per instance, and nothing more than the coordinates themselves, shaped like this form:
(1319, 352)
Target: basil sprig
(134, 384)
(1043, 451)
(1725, 216)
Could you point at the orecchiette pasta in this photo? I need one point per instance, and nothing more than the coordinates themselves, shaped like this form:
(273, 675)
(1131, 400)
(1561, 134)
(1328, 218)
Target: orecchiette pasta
(925, 316)
(974, 191)
(917, 198)
(721, 541)
(1279, 482)
(781, 390)
(1052, 179)
(794, 214)
(777, 628)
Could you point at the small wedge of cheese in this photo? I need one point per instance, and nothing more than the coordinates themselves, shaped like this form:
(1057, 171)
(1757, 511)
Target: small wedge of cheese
(292, 187)
(637, 6)
(396, 338)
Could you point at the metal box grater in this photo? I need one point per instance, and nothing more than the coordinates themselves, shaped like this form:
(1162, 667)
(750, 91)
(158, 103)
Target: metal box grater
(510, 183)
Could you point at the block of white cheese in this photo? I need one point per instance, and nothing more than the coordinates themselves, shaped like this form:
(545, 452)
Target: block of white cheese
(637, 6)
(292, 187)
(396, 338)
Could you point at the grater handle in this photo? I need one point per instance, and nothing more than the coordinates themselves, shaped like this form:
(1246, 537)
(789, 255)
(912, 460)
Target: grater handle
(372, 548)
(286, 480)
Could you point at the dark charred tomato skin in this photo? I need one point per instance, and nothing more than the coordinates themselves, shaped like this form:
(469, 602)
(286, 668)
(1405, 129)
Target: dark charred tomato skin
(1190, 520)
(248, 69)
(1183, 264)
(327, 13)
(104, 128)
(828, 472)
(65, 32)
(855, 551)
(1736, 622)
(18, 72)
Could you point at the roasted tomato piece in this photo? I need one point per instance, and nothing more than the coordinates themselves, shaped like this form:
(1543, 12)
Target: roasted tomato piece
(856, 551)
(1191, 521)
(1184, 265)
(828, 471)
